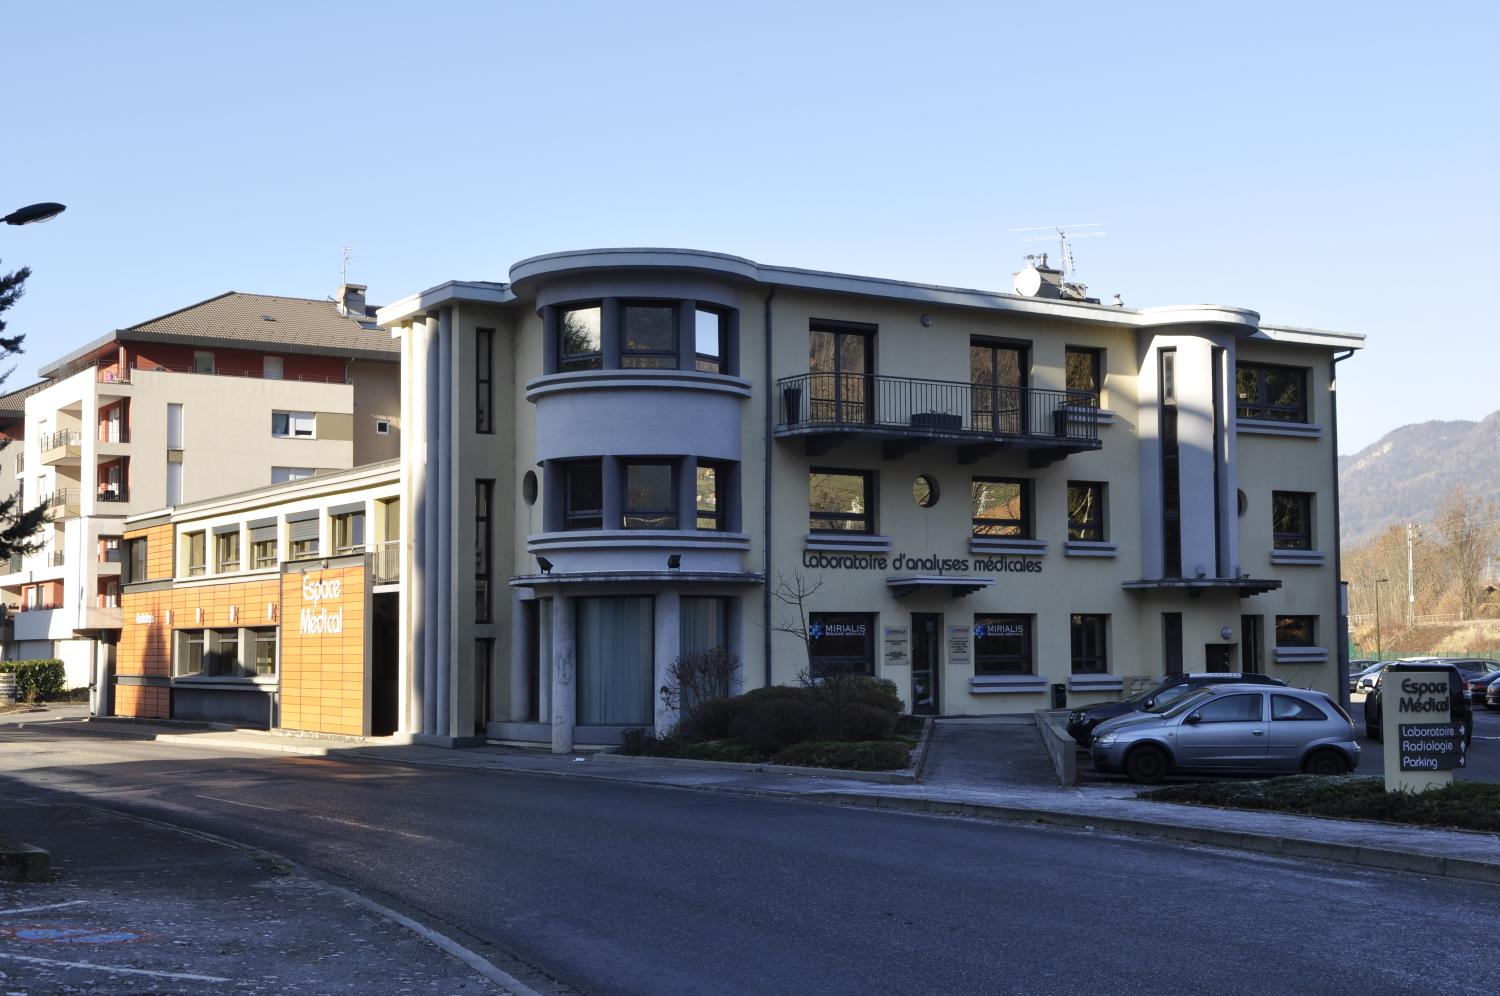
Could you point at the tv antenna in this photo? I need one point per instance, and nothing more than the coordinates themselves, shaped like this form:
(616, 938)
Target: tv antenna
(348, 252)
(1064, 234)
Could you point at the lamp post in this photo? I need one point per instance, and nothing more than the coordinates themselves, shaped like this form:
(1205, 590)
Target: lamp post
(1378, 583)
(33, 213)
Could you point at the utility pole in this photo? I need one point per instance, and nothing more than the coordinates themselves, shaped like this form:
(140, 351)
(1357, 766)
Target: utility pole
(1411, 588)
(1378, 583)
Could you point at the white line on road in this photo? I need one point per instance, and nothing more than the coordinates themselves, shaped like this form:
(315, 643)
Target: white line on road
(232, 802)
(52, 906)
(318, 816)
(113, 968)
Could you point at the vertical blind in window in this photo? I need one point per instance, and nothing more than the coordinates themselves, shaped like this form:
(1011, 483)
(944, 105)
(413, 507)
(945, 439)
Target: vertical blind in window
(616, 670)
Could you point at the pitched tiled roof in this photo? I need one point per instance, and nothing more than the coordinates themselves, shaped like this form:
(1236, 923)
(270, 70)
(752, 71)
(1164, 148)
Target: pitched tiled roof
(14, 403)
(255, 319)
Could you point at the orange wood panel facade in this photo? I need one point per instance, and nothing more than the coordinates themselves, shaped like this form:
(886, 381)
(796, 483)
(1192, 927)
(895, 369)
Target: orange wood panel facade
(325, 665)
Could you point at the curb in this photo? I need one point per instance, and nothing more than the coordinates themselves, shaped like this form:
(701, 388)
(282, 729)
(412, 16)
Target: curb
(1387, 859)
(24, 863)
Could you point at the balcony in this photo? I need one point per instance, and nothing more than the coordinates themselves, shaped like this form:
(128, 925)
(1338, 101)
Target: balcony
(61, 448)
(113, 433)
(55, 558)
(113, 493)
(385, 563)
(63, 502)
(907, 413)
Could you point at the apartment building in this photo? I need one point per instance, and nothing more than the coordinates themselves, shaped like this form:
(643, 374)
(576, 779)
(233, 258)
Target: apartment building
(233, 393)
(998, 500)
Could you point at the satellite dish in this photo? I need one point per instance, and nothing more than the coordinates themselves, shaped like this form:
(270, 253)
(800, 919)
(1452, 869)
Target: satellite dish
(1028, 281)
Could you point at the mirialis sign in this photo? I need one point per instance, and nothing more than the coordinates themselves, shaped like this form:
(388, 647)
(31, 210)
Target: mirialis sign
(317, 620)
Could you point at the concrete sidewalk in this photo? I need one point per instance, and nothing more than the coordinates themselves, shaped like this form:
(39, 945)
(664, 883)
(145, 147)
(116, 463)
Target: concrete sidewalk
(964, 790)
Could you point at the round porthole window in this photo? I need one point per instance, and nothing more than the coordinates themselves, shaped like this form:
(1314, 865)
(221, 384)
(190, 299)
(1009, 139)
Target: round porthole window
(1244, 502)
(925, 490)
(528, 487)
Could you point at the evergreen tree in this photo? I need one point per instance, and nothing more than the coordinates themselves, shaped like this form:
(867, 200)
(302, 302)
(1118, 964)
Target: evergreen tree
(19, 526)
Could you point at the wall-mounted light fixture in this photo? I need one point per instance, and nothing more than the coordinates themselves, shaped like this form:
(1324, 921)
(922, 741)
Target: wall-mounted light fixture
(544, 564)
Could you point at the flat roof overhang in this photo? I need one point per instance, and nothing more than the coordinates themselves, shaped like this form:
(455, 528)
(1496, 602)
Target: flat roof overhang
(958, 587)
(636, 577)
(1243, 587)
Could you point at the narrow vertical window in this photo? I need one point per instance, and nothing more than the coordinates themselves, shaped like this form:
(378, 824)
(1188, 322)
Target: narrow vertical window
(581, 346)
(583, 495)
(709, 341)
(1171, 483)
(1085, 510)
(484, 494)
(1088, 639)
(1084, 375)
(710, 491)
(484, 382)
(1291, 520)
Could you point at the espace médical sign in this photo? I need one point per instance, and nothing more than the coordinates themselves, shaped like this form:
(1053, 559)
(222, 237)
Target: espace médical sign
(316, 620)
(816, 560)
(1423, 694)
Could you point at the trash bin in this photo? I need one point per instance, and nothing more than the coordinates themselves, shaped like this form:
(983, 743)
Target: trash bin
(1059, 696)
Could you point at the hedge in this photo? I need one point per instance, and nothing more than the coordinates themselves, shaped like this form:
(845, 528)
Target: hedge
(36, 680)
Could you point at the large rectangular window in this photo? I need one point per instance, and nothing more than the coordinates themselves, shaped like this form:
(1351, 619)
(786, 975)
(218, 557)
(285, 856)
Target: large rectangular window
(616, 661)
(221, 656)
(226, 552)
(1002, 507)
(583, 495)
(648, 338)
(1002, 644)
(484, 380)
(839, 363)
(348, 532)
(187, 655)
(709, 341)
(1084, 373)
(265, 650)
(1291, 520)
(650, 496)
(1088, 633)
(840, 643)
(263, 546)
(999, 372)
(710, 492)
(580, 346)
(1086, 510)
(195, 546)
(1296, 631)
(298, 425)
(1270, 392)
(302, 535)
(841, 501)
(134, 568)
(484, 548)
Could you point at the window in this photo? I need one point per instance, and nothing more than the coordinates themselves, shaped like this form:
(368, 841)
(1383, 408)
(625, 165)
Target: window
(1084, 373)
(484, 380)
(284, 475)
(263, 545)
(196, 546)
(264, 641)
(1002, 644)
(203, 363)
(649, 337)
(302, 534)
(583, 495)
(650, 496)
(174, 482)
(1285, 707)
(710, 502)
(226, 552)
(840, 501)
(1244, 707)
(134, 568)
(484, 494)
(998, 373)
(222, 654)
(1088, 635)
(271, 367)
(1002, 507)
(840, 362)
(1272, 393)
(1171, 641)
(296, 425)
(1085, 510)
(187, 655)
(1291, 520)
(1171, 460)
(579, 348)
(709, 338)
(1295, 631)
(615, 653)
(840, 643)
(174, 426)
(382, 427)
(348, 532)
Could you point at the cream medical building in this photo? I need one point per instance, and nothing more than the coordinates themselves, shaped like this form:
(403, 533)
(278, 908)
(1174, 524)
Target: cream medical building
(999, 501)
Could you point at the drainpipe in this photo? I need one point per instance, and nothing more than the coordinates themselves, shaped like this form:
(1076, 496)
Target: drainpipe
(1338, 544)
(765, 559)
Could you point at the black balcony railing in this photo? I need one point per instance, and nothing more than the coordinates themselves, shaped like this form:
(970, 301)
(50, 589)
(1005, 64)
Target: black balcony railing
(62, 437)
(115, 493)
(914, 406)
(55, 558)
(60, 498)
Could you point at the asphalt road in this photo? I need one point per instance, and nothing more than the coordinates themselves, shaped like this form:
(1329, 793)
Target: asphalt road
(614, 888)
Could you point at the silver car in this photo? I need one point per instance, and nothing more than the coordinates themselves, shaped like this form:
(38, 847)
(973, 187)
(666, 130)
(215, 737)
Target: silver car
(1231, 728)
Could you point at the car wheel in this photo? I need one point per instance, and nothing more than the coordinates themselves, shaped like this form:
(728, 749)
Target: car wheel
(1147, 765)
(1325, 762)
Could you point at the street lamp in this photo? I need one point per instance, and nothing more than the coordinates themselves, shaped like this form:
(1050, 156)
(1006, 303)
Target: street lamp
(33, 213)
(1378, 583)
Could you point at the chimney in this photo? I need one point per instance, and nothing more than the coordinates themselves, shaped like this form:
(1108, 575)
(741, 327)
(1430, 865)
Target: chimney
(351, 300)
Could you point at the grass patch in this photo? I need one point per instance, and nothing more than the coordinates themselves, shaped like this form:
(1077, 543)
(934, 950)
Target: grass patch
(1460, 805)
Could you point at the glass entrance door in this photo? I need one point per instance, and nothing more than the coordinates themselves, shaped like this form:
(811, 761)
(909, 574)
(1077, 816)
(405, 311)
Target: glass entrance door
(839, 364)
(998, 374)
(926, 659)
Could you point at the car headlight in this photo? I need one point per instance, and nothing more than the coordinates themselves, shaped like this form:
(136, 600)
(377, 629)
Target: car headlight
(1104, 740)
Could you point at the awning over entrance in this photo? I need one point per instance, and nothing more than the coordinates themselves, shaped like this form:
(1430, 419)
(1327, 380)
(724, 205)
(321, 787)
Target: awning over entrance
(958, 586)
(1243, 587)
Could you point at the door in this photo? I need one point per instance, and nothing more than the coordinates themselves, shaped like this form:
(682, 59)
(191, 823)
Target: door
(1217, 657)
(1230, 732)
(998, 373)
(384, 680)
(926, 660)
(1250, 655)
(839, 365)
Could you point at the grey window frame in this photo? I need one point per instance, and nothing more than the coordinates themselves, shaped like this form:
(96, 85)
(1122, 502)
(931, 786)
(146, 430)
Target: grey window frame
(990, 663)
(1283, 539)
(1263, 409)
(1079, 623)
(571, 362)
(1095, 357)
(1287, 622)
(484, 549)
(1024, 523)
(670, 356)
(1077, 528)
(484, 381)
(671, 512)
(588, 518)
(815, 517)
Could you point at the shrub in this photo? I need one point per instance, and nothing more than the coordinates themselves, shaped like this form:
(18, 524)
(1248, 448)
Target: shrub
(37, 680)
(770, 723)
(880, 693)
(865, 722)
(708, 720)
(695, 678)
(881, 755)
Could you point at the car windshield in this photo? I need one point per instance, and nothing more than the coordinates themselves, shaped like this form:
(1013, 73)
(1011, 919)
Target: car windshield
(1183, 703)
(1172, 695)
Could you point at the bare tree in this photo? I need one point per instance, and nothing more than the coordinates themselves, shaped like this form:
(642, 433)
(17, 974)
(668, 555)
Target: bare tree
(794, 592)
(1469, 526)
(695, 678)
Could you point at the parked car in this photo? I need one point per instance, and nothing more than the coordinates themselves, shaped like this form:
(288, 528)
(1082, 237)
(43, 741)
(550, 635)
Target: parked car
(1471, 667)
(1478, 687)
(1460, 708)
(1357, 667)
(1364, 680)
(1081, 722)
(1241, 728)
(1492, 697)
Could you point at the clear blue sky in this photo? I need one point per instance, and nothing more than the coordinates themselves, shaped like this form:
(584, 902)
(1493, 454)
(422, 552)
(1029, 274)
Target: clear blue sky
(1328, 164)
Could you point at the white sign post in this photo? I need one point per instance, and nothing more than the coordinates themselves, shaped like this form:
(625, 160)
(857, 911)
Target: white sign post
(1422, 744)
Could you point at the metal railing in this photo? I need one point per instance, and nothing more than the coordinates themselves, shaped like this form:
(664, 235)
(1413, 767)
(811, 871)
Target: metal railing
(43, 605)
(55, 558)
(61, 498)
(119, 493)
(386, 562)
(114, 434)
(62, 437)
(935, 407)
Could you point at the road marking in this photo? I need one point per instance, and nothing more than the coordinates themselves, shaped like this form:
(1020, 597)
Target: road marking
(316, 816)
(247, 805)
(50, 906)
(113, 968)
